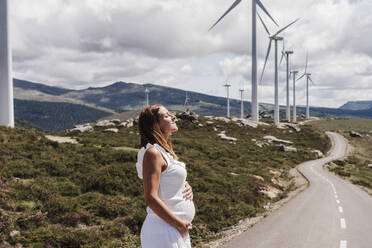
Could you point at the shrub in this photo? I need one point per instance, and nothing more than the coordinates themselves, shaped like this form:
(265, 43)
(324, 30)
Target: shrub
(362, 183)
(73, 218)
(343, 173)
(339, 162)
(31, 221)
(353, 160)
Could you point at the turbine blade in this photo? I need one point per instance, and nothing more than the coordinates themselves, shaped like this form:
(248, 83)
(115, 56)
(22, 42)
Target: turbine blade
(267, 13)
(306, 61)
(311, 81)
(267, 56)
(283, 56)
(267, 31)
(227, 11)
(281, 30)
(301, 76)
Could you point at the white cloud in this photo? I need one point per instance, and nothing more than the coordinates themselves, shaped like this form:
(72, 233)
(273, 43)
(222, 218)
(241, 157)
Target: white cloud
(186, 68)
(77, 44)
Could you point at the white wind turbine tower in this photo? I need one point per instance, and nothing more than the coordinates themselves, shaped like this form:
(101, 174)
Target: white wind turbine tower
(147, 91)
(254, 103)
(187, 101)
(285, 54)
(6, 79)
(294, 117)
(227, 86)
(241, 103)
(275, 38)
(308, 78)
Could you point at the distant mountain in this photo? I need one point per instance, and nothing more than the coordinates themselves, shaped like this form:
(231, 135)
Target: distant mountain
(342, 113)
(357, 105)
(26, 85)
(122, 97)
(54, 108)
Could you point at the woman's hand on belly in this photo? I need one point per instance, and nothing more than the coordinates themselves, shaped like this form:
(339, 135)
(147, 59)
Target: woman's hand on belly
(187, 192)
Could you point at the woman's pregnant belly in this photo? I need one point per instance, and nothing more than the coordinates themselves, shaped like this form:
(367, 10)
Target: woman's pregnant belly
(182, 208)
(179, 206)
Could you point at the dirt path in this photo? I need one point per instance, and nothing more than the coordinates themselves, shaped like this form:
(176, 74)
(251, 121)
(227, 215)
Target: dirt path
(60, 139)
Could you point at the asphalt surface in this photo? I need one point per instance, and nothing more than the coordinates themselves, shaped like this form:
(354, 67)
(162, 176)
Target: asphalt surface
(330, 213)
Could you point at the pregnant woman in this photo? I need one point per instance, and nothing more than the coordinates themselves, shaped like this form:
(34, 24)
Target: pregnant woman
(168, 196)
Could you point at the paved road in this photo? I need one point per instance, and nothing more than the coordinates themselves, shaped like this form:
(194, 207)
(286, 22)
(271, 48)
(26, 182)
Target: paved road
(331, 213)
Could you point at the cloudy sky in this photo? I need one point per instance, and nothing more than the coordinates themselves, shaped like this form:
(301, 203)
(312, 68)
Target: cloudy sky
(78, 44)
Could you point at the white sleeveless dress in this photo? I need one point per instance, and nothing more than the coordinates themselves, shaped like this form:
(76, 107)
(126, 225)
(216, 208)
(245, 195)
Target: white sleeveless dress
(155, 232)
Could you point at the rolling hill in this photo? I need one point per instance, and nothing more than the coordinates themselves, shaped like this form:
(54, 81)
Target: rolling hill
(34, 101)
(357, 105)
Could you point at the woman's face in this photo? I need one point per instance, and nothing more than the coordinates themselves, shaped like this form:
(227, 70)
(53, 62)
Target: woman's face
(167, 121)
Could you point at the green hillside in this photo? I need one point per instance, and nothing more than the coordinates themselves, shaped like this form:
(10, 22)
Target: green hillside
(88, 195)
(25, 124)
(53, 116)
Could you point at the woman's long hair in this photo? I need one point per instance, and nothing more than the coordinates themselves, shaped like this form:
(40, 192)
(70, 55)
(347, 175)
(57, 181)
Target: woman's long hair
(149, 129)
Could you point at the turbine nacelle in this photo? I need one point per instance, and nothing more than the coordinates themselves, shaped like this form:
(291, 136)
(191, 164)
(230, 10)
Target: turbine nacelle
(277, 38)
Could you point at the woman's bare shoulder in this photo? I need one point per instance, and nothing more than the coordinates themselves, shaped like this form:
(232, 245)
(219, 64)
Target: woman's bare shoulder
(153, 156)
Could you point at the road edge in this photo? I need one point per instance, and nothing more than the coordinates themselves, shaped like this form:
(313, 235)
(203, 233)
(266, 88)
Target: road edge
(246, 224)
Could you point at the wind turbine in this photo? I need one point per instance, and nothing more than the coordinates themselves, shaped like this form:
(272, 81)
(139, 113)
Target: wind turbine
(187, 101)
(227, 86)
(241, 103)
(147, 91)
(6, 79)
(254, 103)
(293, 73)
(285, 54)
(275, 38)
(308, 78)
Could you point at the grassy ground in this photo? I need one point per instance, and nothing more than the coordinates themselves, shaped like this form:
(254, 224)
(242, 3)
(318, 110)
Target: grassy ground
(344, 125)
(355, 167)
(88, 195)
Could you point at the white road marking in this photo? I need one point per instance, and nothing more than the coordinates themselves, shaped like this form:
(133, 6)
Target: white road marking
(343, 223)
(338, 202)
(340, 209)
(343, 244)
(336, 196)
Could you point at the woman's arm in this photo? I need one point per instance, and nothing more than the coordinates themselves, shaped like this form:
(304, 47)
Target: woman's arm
(153, 163)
